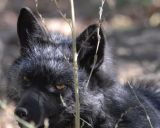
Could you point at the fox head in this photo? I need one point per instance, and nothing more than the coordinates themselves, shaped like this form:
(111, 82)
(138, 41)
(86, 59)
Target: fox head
(41, 78)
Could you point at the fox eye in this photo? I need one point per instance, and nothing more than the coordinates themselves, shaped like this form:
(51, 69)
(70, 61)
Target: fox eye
(26, 82)
(60, 86)
(55, 88)
(25, 78)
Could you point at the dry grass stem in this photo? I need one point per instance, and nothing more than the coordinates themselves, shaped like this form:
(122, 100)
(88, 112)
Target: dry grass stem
(99, 38)
(141, 105)
(62, 14)
(75, 67)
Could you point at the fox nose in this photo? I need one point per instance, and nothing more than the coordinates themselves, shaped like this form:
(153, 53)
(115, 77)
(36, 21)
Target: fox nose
(21, 113)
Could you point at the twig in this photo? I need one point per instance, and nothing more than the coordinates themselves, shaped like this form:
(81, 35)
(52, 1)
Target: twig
(123, 114)
(84, 121)
(141, 105)
(62, 100)
(75, 67)
(39, 14)
(99, 38)
(24, 123)
(62, 14)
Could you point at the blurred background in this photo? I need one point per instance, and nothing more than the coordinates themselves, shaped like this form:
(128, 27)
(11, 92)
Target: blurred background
(132, 29)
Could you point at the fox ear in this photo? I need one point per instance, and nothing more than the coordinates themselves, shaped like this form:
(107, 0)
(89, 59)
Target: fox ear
(87, 43)
(28, 26)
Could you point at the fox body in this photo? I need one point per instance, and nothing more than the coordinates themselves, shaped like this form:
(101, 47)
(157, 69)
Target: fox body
(41, 82)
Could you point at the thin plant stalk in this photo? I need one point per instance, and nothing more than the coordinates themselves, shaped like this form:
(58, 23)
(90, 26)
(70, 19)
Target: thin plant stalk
(24, 123)
(141, 105)
(98, 42)
(75, 67)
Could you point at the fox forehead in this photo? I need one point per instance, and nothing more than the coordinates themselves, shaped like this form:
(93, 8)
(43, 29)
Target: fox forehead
(47, 61)
(49, 52)
(56, 47)
(45, 69)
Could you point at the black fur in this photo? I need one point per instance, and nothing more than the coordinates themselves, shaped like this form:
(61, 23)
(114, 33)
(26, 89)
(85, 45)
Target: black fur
(46, 61)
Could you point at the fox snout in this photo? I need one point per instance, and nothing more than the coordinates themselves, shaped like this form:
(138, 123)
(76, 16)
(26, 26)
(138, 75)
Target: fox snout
(30, 108)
